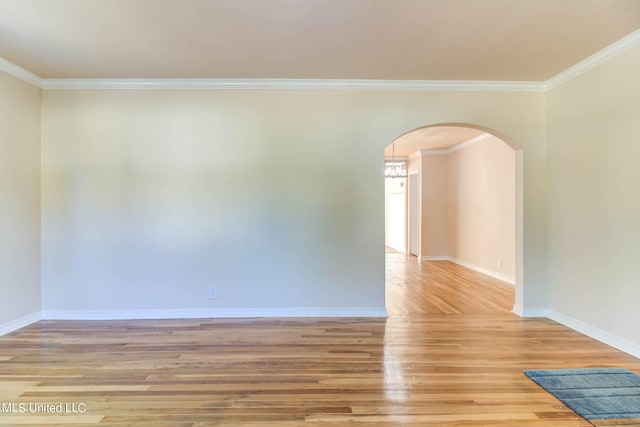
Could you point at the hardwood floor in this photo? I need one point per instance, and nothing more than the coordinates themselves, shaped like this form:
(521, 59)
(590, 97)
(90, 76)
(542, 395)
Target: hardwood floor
(450, 354)
(441, 287)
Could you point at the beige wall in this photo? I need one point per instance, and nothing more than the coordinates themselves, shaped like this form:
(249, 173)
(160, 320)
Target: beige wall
(435, 237)
(468, 206)
(594, 247)
(482, 207)
(19, 199)
(151, 197)
(138, 210)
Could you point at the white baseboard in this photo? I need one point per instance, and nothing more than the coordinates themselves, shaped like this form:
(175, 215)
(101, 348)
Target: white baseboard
(595, 333)
(485, 271)
(214, 313)
(481, 270)
(21, 322)
(591, 331)
(529, 311)
(436, 258)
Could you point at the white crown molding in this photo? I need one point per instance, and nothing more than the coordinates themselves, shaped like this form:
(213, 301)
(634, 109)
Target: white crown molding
(470, 142)
(21, 322)
(628, 42)
(415, 155)
(428, 152)
(297, 84)
(19, 72)
(214, 313)
(624, 44)
(457, 147)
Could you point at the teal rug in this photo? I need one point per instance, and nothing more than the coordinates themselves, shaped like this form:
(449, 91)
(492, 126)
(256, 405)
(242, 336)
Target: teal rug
(604, 396)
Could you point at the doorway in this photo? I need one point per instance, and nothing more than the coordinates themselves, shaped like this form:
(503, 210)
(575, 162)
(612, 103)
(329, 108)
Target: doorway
(463, 202)
(413, 217)
(395, 214)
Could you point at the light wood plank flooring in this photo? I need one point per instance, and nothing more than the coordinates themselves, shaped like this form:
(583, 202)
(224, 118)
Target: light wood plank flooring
(450, 354)
(442, 287)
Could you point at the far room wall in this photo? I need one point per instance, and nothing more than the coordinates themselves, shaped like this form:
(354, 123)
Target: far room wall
(468, 206)
(482, 204)
(435, 236)
(276, 198)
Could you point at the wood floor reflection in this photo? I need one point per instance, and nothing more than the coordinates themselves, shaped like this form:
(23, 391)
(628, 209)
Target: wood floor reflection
(442, 287)
(450, 354)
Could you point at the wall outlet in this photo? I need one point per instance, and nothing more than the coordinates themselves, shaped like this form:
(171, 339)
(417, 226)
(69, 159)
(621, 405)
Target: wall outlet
(499, 263)
(213, 293)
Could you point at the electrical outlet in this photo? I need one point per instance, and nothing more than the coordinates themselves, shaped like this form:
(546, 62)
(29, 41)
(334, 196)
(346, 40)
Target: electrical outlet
(499, 263)
(213, 293)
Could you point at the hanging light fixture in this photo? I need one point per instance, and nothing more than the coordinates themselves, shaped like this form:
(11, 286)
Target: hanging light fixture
(395, 168)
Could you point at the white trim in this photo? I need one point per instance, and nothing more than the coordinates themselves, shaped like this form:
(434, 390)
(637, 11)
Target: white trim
(299, 84)
(598, 334)
(19, 72)
(213, 313)
(528, 311)
(591, 331)
(414, 212)
(609, 52)
(470, 142)
(485, 271)
(434, 152)
(624, 44)
(21, 322)
(586, 329)
(436, 258)
(480, 270)
(519, 237)
(457, 147)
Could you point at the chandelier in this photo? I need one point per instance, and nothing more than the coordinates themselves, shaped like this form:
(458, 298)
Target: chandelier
(395, 168)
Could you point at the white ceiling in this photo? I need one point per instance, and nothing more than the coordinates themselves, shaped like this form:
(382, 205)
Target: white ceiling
(515, 40)
(502, 40)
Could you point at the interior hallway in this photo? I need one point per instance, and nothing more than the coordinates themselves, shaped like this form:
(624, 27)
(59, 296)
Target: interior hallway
(450, 354)
(441, 287)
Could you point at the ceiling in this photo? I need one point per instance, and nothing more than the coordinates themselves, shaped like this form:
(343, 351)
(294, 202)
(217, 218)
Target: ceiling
(499, 40)
(505, 40)
(430, 138)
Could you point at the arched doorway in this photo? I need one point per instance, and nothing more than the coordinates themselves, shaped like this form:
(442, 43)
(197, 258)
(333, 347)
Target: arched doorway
(468, 181)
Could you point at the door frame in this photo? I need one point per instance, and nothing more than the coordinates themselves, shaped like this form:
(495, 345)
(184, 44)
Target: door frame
(413, 213)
